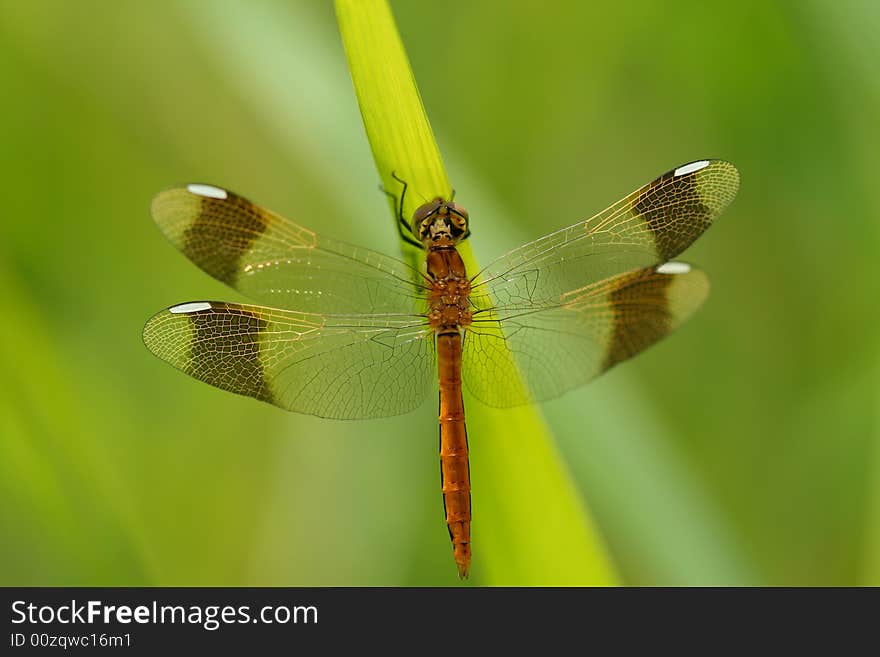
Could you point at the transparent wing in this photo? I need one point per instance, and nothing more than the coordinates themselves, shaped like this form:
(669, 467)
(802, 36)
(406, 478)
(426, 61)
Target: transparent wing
(275, 261)
(342, 366)
(540, 354)
(650, 226)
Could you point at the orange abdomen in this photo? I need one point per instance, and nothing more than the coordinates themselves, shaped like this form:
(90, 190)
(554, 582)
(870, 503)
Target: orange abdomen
(454, 469)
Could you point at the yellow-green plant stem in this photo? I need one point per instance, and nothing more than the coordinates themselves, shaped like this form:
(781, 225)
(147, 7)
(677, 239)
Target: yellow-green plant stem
(531, 526)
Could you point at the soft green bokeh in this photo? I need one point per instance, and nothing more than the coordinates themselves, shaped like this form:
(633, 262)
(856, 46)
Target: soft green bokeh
(744, 449)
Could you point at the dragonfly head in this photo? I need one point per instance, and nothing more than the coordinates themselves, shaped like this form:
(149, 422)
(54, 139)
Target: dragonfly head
(440, 222)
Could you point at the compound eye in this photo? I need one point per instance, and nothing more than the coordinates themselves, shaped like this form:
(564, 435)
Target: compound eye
(425, 211)
(460, 211)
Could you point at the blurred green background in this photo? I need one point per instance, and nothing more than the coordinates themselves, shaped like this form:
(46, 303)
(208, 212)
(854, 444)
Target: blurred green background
(745, 449)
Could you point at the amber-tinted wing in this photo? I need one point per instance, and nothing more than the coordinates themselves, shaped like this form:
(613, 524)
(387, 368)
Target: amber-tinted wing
(539, 354)
(649, 227)
(341, 366)
(277, 262)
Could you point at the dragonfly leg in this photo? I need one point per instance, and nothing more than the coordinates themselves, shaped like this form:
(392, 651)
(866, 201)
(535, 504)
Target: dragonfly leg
(402, 226)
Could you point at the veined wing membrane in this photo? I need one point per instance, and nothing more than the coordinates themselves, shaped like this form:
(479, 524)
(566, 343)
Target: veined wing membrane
(537, 355)
(649, 227)
(275, 261)
(335, 366)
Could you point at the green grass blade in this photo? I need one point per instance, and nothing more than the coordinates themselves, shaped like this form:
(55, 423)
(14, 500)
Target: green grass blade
(394, 117)
(871, 560)
(530, 524)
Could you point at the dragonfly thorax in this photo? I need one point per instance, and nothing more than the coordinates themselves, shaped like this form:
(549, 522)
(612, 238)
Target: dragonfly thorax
(448, 299)
(440, 223)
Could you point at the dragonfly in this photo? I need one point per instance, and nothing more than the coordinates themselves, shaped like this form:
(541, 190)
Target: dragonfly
(349, 333)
